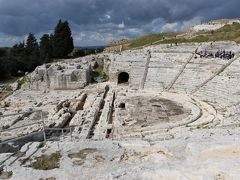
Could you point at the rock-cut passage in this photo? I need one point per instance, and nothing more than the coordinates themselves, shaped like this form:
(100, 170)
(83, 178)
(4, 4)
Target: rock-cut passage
(123, 77)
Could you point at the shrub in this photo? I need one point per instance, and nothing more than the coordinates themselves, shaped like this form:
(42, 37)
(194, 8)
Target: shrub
(8, 88)
(98, 72)
(6, 175)
(47, 162)
(105, 76)
(22, 81)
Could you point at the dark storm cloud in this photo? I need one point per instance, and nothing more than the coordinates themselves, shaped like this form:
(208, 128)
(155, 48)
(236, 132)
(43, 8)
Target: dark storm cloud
(19, 17)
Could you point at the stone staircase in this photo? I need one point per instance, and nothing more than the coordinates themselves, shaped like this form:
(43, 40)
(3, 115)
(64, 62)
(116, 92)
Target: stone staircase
(195, 73)
(223, 91)
(216, 74)
(145, 71)
(163, 69)
(180, 72)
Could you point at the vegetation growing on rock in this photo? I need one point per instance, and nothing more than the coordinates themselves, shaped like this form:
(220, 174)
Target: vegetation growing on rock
(229, 32)
(6, 175)
(47, 162)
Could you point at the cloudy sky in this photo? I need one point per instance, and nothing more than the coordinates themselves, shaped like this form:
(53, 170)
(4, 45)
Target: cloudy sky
(96, 22)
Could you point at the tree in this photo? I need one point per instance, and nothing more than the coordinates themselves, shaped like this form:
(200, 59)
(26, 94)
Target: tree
(25, 57)
(3, 52)
(5, 65)
(62, 40)
(32, 53)
(18, 57)
(68, 40)
(45, 49)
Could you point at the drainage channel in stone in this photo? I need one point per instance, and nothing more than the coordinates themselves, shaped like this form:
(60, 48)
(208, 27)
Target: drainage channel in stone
(111, 118)
(55, 134)
(79, 108)
(92, 129)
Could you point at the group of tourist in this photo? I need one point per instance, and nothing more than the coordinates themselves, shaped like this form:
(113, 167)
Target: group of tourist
(223, 54)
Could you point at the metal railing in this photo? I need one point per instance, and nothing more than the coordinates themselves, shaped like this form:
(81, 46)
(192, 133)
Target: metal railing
(41, 122)
(42, 129)
(61, 130)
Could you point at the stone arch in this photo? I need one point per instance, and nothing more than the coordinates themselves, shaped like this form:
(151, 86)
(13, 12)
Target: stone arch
(123, 77)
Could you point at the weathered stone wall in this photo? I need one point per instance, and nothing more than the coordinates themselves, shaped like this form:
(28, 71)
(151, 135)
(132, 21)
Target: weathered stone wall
(59, 77)
(132, 63)
(66, 75)
(166, 63)
(74, 79)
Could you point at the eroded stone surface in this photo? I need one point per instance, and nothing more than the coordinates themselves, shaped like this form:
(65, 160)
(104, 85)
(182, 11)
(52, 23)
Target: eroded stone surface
(165, 122)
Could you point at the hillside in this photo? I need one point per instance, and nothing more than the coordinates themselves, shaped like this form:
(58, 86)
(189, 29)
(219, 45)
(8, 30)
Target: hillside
(218, 30)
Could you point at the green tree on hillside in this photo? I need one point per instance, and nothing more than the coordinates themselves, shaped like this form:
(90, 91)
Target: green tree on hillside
(25, 57)
(5, 67)
(3, 52)
(5, 64)
(17, 57)
(68, 40)
(32, 52)
(62, 40)
(45, 48)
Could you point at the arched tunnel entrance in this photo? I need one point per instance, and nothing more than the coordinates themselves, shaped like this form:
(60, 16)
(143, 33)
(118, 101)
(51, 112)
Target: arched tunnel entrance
(123, 77)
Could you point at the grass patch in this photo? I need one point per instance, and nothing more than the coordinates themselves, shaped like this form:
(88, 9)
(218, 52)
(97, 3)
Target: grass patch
(98, 71)
(22, 81)
(226, 33)
(148, 39)
(105, 76)
(8, 88)
(6, 175)
(47, 162)
(230, 28)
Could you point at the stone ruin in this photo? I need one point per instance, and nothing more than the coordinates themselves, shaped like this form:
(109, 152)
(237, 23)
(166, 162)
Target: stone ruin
(65, 75)
(163, 114)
